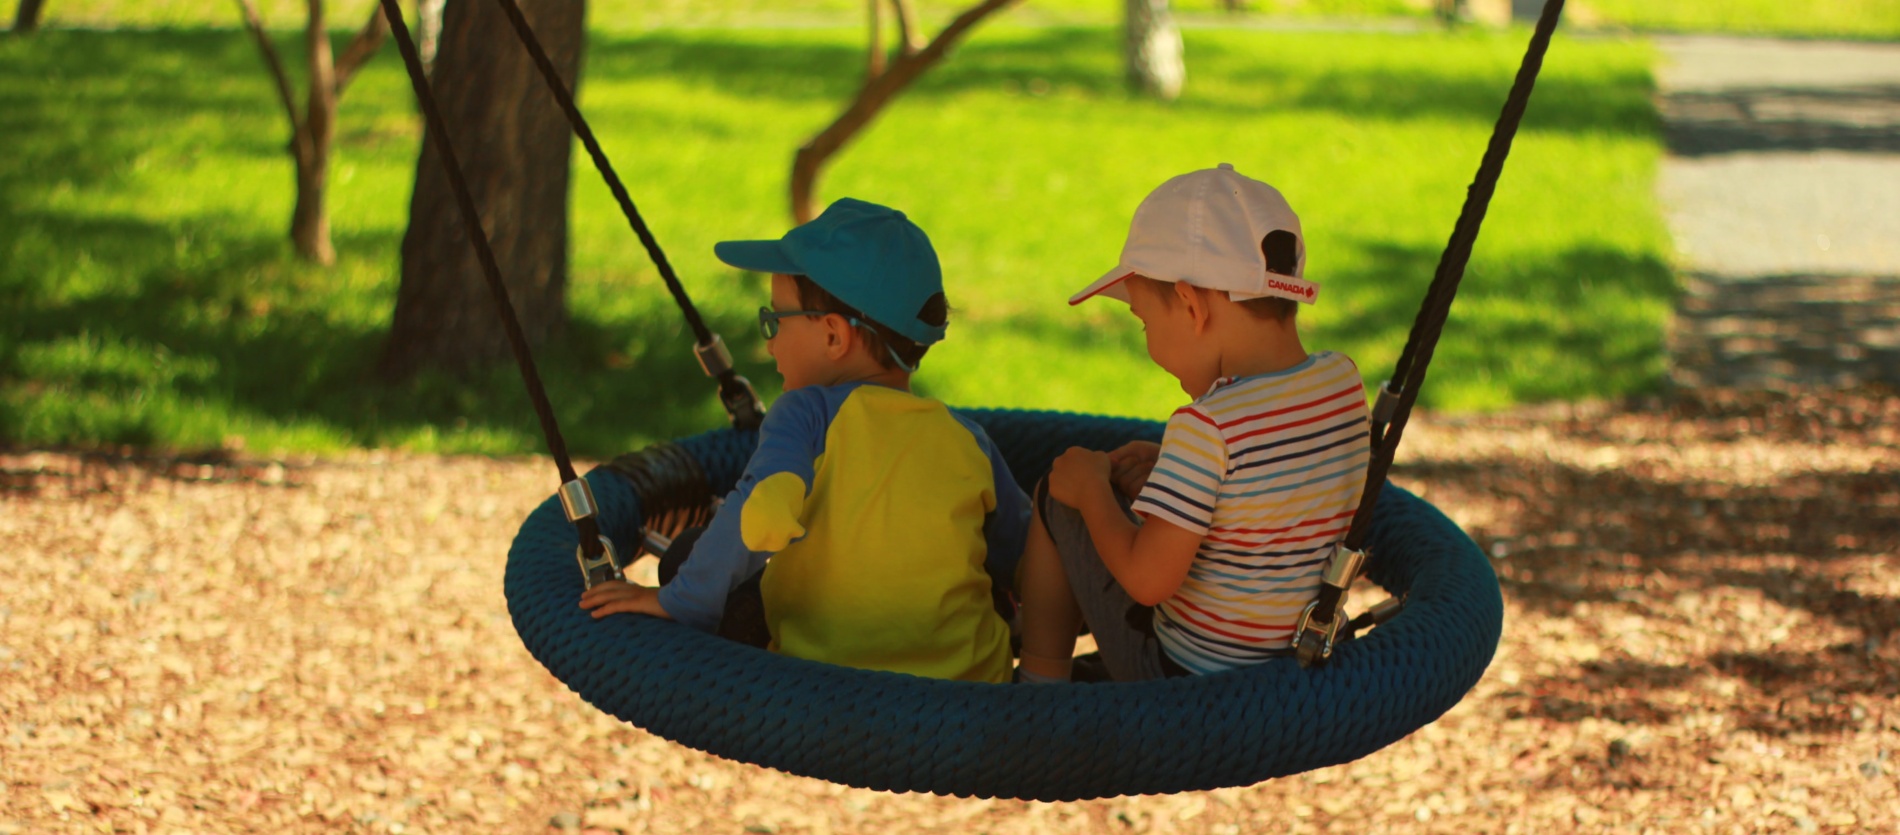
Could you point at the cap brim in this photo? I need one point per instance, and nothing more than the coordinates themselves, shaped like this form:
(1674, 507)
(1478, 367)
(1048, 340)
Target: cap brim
(757, 256)
(1112, 284)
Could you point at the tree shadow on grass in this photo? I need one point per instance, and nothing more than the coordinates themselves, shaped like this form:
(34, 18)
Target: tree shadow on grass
(234, 323)
(211, 337)
(1544, 333)
(1086, 62)
(127, 83)
(1531, 329)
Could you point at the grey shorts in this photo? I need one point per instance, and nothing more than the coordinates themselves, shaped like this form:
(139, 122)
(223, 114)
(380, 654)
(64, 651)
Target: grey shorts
(1123, 628)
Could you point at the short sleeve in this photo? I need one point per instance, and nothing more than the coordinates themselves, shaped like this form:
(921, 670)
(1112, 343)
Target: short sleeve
(1188, 475)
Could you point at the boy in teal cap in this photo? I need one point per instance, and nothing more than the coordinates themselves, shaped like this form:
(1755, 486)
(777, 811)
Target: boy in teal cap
(873, 513)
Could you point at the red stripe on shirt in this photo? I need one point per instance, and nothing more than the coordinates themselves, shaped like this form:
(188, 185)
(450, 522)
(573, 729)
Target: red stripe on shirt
(1190, 412)
(1276, 541)
(1205, 627)
(1302, 422)
(1307, 405)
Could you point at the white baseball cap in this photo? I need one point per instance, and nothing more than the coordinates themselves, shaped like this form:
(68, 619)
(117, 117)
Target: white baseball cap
(1214, 228)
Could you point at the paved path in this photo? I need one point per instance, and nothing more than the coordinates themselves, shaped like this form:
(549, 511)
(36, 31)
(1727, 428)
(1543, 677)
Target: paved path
(1782, 189)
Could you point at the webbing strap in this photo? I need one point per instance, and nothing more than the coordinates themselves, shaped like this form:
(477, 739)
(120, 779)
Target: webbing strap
(590, 539)
(1430, 323)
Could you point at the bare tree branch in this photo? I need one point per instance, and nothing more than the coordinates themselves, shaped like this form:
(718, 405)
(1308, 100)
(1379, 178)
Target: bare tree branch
(909, 40)
(871, 99)
(362, 48)
(874, 59)
(276, 64)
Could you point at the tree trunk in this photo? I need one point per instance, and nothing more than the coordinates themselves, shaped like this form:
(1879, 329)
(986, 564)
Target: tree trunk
(27, 17)
(512, 143)
(310, 221)
(312, 132)
(1153, 50)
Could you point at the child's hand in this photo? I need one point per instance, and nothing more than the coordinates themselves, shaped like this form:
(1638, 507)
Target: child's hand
(1078, 476)
(1130, 466)
(616, 596)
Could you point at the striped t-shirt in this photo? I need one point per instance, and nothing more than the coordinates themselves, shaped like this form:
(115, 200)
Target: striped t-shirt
(1269, 470)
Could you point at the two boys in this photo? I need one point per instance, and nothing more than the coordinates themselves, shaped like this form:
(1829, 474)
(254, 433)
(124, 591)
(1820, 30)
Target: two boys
(877, 554)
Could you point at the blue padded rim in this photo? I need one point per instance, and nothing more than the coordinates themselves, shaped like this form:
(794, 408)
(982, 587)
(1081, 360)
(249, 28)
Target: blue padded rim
(1043, 742)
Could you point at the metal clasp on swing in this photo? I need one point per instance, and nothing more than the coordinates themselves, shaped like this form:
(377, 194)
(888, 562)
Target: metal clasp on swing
(1313, 640)
(577, 500)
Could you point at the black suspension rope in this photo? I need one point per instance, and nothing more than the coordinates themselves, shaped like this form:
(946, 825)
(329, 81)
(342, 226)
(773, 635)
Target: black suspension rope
(1410, 373)
(741, 403)
(557, 446)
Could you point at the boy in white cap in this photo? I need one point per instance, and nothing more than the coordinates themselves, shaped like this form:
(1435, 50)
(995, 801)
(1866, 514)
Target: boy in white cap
(869, 520)
(1254, 483)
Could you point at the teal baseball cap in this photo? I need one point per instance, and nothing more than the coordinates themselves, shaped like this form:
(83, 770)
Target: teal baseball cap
(870, 256)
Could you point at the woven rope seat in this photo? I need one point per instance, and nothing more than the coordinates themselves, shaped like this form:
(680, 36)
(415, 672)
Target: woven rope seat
(1044, 742)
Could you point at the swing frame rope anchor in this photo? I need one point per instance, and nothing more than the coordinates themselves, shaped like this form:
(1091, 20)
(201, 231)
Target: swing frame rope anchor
(1318, 629)
(577, 501)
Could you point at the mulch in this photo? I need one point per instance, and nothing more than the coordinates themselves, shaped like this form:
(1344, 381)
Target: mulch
(1701, 602)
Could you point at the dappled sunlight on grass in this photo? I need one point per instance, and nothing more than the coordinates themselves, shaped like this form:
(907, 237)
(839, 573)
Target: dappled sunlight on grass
(151, 297)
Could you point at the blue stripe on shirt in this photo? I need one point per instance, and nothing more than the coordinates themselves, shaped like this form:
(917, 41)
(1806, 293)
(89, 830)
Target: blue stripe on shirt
(1290, 456)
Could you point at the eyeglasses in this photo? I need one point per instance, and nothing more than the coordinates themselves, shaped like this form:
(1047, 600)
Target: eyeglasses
(768, 319)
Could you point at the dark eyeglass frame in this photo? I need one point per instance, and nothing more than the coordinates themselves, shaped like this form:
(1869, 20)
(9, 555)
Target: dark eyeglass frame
(769, 318)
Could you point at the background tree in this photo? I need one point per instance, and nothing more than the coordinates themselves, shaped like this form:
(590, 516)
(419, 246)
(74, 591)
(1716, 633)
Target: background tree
(881, 84)
(908, 38)
(26, 18)
(428, 31)
(513, 145)
(1153, 49)
(312, 132)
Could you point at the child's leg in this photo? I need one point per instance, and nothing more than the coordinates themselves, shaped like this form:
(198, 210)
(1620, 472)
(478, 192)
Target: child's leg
(1050, 616)
(1123, 629)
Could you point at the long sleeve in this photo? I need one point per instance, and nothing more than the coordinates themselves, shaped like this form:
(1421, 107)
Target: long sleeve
(790, 439)
(1007, 528)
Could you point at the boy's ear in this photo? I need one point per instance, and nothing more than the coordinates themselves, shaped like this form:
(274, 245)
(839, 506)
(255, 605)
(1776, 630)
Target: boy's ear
(838, 335)
(1194, 302)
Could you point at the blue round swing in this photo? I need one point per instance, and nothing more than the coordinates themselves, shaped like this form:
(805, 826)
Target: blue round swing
(1043, 742)
(1046, 742)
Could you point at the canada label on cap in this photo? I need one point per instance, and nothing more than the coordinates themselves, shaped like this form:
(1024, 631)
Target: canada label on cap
(1288, 287)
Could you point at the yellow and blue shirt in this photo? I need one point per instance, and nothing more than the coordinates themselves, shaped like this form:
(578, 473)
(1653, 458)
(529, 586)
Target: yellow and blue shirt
(880, 518)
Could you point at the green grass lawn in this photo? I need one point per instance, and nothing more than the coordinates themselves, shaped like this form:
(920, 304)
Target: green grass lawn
(147, 294)
(1875, 19)
(1868, 19)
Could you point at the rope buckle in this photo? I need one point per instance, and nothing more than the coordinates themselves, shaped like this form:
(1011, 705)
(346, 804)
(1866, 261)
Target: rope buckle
(602, 568)
(577, 500)
(1318, 628)
(1313, 642)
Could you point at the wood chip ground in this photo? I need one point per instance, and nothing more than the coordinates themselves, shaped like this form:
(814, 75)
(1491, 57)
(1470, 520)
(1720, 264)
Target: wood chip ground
(1699, 637)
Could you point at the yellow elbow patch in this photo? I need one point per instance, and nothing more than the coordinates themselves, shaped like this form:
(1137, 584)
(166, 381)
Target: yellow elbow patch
(769, 520)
